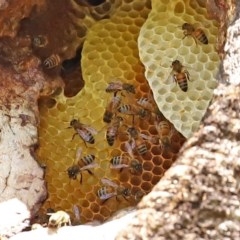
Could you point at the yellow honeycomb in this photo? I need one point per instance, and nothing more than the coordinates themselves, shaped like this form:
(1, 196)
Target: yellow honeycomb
(161, 42)
(109, 53)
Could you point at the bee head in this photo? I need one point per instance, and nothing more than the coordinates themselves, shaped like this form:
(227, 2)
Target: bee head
(72, 172)
(73, 122)
(126, 192)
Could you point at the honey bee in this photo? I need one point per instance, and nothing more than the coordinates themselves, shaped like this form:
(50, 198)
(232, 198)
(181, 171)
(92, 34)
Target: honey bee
(59, 219)
(121, 162)
(111, 189)
(83, 164)
(181, 75)
(112, 130)
(165, 132)
(197, 34)
(145, 103)
(119, 86)
(132, 110)
(136, 141)
(111, 108)
(40, 41)
(52, 61)
(84, 131)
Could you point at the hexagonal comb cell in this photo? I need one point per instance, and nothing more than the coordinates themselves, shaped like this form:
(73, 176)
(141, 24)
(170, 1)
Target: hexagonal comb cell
(143, 143)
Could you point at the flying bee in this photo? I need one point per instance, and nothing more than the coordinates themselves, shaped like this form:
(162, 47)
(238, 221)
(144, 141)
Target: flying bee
(52, 61)
(111, 189)
(84, 131)
(112, 130)
(197, 34)
(83, 164)
(165, 132)
(111, 108)
(181, 75)
(119, 86)
(58, 219)
(39, 41)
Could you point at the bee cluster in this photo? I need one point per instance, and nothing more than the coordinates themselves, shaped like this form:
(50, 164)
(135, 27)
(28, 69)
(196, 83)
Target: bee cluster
(123, 116)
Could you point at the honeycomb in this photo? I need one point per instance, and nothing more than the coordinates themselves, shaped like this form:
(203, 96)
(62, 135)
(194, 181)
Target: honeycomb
(161, 42)
(110, 53)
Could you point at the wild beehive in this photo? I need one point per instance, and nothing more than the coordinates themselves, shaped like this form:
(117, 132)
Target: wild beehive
(111, 52)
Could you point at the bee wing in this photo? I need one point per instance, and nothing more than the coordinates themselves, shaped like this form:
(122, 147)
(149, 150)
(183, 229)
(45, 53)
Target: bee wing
(107, 196)
(89, 166)
(78, 153)
(108, 182)
(76, 212)
(91, 129)
(119, 166)
(116, 100)
(145, 137)
(116, 85)
(129, 148)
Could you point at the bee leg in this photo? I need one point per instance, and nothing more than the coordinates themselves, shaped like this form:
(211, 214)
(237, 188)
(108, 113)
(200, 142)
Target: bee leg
(74, 136)
(125, 198)
(89, 171)
(81, 178)
(195, 41)
(105, 200)
(133, 119)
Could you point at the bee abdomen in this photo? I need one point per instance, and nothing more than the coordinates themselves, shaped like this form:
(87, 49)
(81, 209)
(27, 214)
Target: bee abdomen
(200, 35)
(88, 159)
(110, 140)
(183, 85)
(51, 61)
(142, 149)
(107, 117)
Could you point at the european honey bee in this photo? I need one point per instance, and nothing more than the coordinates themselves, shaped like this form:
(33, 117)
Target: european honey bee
(112, 130)
(136, 141)
(40, 41)
(59, 219)
(165, 132)
(119, 86)
(111, 189)
(123, 161)
(181, 75)
(132, 110)
(111, 108)
(197, 34)
(84, 131)
(145, 103)
(83, 164)
(52, 61)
